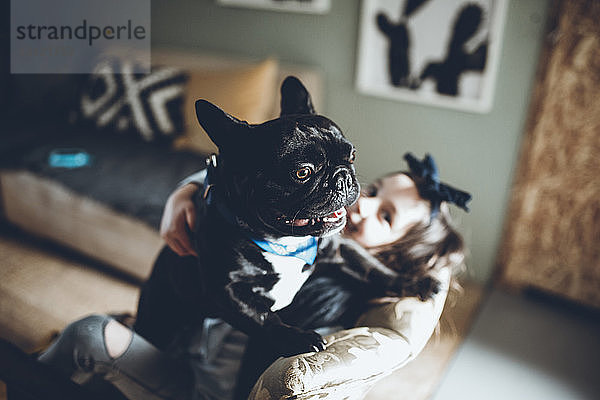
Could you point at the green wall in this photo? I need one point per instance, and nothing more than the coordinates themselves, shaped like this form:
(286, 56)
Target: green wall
(476, 152)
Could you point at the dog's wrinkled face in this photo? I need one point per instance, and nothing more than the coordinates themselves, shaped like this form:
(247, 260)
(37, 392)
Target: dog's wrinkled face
(292, 176)
(309, 178)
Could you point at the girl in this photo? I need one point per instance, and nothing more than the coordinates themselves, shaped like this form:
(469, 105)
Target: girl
(402, 219)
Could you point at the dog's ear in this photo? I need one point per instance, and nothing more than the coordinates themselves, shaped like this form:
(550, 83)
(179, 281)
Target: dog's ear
(295, 99)
(222, 128)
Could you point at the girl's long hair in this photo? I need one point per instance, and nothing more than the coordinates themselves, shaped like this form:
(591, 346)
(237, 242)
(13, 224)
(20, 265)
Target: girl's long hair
(426, 247)
(329, 300)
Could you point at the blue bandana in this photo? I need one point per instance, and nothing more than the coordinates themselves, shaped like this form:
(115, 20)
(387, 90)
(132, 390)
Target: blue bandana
(305, 251)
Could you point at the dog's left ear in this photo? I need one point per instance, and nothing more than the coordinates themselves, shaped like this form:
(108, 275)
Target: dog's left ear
(295, 99)
(222, 128)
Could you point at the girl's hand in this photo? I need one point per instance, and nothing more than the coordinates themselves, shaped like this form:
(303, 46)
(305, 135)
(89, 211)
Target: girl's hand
(179, 217)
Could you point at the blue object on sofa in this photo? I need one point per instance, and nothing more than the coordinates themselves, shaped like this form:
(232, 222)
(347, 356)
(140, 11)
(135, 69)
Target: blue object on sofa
(128, 175)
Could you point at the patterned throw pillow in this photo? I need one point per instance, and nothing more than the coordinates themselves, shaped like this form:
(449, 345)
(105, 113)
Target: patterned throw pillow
(150, 104)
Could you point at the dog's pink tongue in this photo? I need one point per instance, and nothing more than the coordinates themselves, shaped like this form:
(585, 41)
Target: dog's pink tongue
(301, 222)
(330, 218)
(337, 214)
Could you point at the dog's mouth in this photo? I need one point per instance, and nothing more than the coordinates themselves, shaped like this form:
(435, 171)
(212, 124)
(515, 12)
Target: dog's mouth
(335, 218)
(318, 226)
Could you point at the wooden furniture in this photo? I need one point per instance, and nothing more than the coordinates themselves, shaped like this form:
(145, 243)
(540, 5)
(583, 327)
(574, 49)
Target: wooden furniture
(552, 235)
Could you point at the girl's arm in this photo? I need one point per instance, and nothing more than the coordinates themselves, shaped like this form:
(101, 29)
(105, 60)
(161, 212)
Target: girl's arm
(179, 215)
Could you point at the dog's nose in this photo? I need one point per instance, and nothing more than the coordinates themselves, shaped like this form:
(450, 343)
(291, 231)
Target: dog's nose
(343, 181)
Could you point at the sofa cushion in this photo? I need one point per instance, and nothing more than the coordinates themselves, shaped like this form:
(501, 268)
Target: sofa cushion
(48, 209)
(246, 92)
(116, 99)
(32, 310)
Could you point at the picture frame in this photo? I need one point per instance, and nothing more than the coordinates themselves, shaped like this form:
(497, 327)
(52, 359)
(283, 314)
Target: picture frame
(441, 53)
(301, 6)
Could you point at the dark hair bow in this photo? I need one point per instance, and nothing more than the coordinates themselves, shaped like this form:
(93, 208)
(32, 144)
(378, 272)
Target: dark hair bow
(431, 188)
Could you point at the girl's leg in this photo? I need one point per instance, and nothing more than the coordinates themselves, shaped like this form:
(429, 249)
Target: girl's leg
(99, 346)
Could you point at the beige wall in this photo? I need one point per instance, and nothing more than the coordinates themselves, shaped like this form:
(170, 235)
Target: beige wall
(476, 152)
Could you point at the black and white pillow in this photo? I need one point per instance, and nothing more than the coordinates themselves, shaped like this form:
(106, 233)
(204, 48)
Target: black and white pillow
(149, 104)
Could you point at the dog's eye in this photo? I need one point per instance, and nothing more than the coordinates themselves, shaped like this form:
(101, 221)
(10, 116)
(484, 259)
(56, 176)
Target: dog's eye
(303, 173)
(352, 157)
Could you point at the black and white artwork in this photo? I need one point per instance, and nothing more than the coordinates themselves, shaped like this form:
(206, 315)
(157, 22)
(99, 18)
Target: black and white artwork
(436, 52)
(305, 6)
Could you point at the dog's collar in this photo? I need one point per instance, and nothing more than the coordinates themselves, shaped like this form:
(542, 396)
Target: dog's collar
(305, 250)
(210, 196)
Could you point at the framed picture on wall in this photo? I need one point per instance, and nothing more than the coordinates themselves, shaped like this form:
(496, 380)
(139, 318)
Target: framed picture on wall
(435, 52)
(305, 6)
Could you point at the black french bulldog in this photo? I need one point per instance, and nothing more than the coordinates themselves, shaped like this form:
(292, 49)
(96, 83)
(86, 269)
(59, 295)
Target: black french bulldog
(275, 198)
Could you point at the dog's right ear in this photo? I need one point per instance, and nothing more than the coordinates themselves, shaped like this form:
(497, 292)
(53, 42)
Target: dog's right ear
(295, 99)
(222, 128)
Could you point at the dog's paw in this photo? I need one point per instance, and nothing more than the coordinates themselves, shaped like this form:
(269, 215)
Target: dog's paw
(291, 341)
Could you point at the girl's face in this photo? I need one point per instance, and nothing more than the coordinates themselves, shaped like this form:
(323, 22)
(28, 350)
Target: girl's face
(385, 211)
